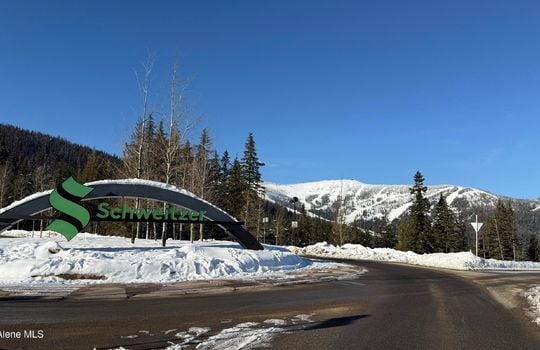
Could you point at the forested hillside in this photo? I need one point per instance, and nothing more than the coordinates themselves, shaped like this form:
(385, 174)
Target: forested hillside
(31, 162)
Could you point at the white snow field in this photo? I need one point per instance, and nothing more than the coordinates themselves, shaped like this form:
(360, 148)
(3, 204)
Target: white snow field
(456, 261)
(28, 260)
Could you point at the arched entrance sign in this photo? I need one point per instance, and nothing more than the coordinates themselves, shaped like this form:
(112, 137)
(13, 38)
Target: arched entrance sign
(135, 188)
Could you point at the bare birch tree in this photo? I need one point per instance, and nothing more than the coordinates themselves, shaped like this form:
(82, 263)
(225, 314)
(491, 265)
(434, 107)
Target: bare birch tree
(135, 150)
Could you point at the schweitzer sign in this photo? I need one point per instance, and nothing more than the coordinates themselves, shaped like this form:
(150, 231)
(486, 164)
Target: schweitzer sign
(125, 213)
(75, 217)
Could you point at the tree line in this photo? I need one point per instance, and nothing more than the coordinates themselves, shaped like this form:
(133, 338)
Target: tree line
(442, 230)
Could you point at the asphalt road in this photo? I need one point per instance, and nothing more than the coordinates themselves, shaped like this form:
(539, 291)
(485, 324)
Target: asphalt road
(390, 307)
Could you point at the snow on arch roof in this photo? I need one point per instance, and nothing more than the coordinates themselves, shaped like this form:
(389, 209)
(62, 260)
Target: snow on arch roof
(156, 184)
(39, 202)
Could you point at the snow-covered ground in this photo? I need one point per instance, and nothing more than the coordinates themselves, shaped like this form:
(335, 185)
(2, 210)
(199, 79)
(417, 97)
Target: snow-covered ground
(245, 335)
(533, 298)
(457, 261)
(101, 259)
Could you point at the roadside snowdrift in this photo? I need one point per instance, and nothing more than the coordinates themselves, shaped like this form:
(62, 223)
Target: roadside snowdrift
(115, 260)
(457, 261)
(533, 298)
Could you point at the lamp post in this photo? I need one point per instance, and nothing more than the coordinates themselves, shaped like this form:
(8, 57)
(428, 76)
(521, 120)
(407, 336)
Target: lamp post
(294, 223)
(265, 221)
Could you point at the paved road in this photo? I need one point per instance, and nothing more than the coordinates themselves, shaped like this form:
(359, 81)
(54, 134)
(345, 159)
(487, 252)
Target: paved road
(390, 307)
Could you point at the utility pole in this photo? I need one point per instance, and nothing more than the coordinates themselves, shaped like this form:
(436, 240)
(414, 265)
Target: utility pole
(265, 221)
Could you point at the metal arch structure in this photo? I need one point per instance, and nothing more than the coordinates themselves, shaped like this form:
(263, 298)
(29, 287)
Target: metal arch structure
(119, 189)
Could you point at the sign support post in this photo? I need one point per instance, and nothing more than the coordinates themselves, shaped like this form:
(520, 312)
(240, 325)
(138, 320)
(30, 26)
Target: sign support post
(477, 226)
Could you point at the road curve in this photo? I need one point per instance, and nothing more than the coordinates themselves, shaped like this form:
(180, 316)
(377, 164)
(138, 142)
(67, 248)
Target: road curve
(390, 307)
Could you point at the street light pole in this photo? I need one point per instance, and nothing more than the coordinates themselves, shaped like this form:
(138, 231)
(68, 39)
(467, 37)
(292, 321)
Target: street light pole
(265, 221)
(294, 223)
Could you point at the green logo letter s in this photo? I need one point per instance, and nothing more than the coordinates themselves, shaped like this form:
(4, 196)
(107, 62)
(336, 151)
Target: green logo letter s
(74, 216)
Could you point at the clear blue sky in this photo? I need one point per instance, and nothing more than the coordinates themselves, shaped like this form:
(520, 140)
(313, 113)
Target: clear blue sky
(370, 90)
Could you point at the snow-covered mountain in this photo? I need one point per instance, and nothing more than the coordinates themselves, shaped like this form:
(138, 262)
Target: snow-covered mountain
(364, 201)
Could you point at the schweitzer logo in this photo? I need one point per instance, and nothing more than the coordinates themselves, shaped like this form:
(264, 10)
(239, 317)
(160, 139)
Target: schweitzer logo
(66, 200)
(74, 217)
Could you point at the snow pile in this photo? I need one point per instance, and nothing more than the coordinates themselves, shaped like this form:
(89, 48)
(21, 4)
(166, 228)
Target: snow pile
(116, 260)
(457, 261)
(247, 335)
(533, 298)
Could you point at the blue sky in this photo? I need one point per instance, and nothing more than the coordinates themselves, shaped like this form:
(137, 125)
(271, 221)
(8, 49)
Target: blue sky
(370, 90)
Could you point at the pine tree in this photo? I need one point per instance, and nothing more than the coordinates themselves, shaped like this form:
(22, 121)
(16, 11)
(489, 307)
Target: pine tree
(251, 164)
(386, 236)
(216, 182)
(416, 235)
(406, 237)
(251, 172)
(225, 168)
(499, 237)
(444, 230)
(236, 188)
(461, 235)
(512, 243)
(533, 250)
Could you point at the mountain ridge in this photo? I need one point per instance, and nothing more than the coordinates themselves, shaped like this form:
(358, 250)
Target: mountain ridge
(376, 201)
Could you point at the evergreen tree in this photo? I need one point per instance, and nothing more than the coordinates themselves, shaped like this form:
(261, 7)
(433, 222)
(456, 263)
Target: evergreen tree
(225, 166)
(533, 250)
(444, 230)
(406, 237)
(499, 237)
(251, 164)
(416, 235)
(386, 234)
(216, 183)
(95, 168)
(461, 235)
(157, 156)
(236, 187)
(251, 172)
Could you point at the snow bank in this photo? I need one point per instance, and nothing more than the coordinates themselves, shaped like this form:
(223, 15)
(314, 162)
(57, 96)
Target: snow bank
(116, 260)
(457, 261)
(533, 298)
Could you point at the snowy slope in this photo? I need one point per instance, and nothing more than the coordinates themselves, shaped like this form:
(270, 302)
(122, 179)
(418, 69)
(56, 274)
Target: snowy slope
(374, 201)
